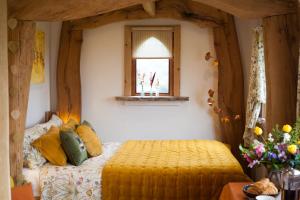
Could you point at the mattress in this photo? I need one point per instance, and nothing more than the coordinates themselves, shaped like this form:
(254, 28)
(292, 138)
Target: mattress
(165, 170)
(71, 182)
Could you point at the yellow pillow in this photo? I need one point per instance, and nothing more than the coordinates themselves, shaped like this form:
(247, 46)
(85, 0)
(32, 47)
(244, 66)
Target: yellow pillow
(70, 125)
(90, 139)
(50, 147)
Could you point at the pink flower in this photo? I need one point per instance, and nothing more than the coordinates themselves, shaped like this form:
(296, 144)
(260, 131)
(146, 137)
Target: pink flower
(252, 164)
(249, 160)
(259, 150)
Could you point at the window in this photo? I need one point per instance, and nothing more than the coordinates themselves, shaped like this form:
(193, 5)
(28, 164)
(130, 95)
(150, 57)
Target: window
(152, 60)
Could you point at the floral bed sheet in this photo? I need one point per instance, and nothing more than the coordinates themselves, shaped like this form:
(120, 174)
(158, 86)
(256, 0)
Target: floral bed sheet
(75, 182)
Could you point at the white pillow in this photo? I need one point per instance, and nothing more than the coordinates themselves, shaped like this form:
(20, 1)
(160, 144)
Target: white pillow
(32, 157)
(54, 121)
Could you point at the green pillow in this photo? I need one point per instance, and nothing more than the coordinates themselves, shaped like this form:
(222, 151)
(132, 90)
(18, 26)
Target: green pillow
(73, 147)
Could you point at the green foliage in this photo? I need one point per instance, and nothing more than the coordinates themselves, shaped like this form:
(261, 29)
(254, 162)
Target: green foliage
(295, 133)
(272, 150)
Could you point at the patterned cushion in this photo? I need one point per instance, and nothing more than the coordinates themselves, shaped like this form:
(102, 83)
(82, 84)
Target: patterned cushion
(32, 157)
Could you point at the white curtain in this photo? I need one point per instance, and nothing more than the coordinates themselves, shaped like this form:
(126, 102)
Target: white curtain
(257, 84)
(152, 42)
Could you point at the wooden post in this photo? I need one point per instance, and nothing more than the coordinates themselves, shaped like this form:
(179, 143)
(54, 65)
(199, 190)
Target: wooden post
(4, 105)
(21, 39)
(68, 74)
(231, 83)
(281, 36)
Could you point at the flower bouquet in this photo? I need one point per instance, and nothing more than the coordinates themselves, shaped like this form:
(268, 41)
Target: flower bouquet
(279, 150)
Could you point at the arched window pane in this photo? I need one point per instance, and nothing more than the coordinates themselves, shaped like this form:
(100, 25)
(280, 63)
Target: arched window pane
(151, 44)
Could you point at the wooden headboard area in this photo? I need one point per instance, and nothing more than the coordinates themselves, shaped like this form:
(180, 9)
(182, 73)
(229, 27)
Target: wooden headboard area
(49, 114)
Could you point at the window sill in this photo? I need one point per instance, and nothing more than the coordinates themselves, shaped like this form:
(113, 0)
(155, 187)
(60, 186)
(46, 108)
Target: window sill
(152, 98)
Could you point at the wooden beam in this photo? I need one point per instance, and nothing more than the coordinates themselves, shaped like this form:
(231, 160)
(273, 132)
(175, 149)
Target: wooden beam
(149, 8)
(231, 83)
(63, 10)
(20, 58)
(177, 60)
(4, 105)
(281, 36)
(127, 61)
(68, 74)
(188, 10)
(253, 8)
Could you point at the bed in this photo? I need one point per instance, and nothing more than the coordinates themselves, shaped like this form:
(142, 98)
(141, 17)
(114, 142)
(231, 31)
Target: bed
(69, 182)
(185, 169)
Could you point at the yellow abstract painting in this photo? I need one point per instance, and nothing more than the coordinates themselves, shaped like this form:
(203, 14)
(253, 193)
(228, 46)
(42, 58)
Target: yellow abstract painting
(38, 68)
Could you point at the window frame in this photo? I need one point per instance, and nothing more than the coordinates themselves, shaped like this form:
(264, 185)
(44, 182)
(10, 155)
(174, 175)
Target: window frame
(171, 77)
(130, 63)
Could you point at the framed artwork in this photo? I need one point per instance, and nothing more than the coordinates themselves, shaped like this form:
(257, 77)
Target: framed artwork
(38, 68)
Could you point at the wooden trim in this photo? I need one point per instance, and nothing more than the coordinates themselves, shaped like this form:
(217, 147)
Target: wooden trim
(68, 74)
(194, 12)
(65, 10)
(4, 105)
(177, 55)
(149, 7)
(133, 77)
(129, 62)
(230, 84)
(281, 39)
(20, 66)
(171, 78)
(253, 8)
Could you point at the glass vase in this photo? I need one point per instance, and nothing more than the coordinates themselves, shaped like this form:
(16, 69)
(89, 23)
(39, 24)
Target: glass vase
(142, 91)
(275, 177)
(290, 184)
(151, 92)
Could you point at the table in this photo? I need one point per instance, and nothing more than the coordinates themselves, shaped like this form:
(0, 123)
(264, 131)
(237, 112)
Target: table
(233, 191)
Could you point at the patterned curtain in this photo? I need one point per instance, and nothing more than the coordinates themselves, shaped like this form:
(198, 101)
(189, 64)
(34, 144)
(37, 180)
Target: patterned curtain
(257, 84)
(298, 89)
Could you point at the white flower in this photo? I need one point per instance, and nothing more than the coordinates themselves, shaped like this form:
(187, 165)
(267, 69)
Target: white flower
(286, 137)
(270, 137)
(256, 143)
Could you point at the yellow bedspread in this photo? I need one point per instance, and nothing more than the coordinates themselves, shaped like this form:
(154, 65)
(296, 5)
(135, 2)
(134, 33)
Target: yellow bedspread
(173, 170)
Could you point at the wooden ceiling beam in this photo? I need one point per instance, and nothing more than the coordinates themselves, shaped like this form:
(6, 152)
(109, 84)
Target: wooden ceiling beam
(149, 8)
(63, 10)
(185, 10)
(253, 8)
